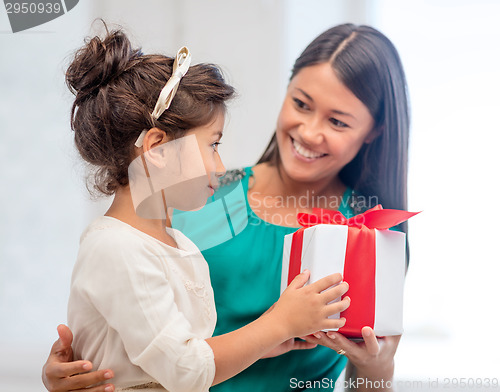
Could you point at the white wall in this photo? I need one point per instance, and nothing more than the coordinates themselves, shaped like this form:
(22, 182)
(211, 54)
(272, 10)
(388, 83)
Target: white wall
(450, 50)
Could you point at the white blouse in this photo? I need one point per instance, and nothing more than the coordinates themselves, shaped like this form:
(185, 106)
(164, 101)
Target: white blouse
(142, 308)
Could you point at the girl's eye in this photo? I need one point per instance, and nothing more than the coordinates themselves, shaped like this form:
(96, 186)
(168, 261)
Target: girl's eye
(215, 146)
(300, 104)
(337, 123)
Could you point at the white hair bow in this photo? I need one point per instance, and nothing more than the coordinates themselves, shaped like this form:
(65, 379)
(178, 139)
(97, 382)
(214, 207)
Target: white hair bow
(181, 65)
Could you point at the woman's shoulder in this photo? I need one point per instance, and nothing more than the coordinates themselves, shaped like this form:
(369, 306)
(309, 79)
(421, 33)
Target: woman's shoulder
(358, 202)
(235, 175)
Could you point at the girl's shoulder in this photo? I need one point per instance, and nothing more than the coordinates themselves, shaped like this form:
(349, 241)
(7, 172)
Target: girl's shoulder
(109, 233)
(113, 232)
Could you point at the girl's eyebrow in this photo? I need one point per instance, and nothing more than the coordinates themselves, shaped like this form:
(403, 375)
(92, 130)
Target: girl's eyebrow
(335, 111)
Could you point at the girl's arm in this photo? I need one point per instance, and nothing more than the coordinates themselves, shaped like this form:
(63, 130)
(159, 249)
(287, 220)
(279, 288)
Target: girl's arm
(301, 310)
(60, 373)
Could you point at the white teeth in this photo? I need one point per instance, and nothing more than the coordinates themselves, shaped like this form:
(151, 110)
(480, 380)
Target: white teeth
(305, 152)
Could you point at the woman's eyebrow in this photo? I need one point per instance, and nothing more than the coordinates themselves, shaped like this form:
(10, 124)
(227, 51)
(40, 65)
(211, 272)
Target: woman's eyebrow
(340, 112)
(306, 95)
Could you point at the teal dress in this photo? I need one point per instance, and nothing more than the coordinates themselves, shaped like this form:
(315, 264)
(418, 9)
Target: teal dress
(244, 254)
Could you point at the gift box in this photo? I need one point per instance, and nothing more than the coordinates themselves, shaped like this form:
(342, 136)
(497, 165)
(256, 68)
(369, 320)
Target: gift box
(371, 259)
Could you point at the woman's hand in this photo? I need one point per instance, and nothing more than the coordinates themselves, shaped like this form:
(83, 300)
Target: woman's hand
(373, 358)
(60, 374)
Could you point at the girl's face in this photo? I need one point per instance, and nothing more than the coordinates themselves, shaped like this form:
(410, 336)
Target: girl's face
(208, 138)
(321, 126)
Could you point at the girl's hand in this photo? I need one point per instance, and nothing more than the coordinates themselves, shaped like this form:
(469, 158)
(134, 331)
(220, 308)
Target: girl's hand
(289, 345)
(373, 358)
(60, 374)
(305, 309)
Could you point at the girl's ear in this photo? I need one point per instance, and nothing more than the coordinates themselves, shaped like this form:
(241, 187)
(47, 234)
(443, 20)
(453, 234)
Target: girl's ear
(154, 137)
(374, 133)
(153, 147)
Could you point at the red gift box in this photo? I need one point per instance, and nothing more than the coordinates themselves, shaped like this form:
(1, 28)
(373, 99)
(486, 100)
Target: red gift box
(371, 258)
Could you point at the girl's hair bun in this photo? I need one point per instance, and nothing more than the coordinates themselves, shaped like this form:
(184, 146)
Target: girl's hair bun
(98, 62)
(116, 89)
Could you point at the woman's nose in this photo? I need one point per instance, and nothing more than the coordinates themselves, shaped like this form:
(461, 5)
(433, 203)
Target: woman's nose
(311, 132)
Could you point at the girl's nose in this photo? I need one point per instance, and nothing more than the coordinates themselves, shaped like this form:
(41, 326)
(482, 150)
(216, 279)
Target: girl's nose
(220, 170)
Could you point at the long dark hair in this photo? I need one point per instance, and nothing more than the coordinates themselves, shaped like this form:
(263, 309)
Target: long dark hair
(368, 64)
(116, 88)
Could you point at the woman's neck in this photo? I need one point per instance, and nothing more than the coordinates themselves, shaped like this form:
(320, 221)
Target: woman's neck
(272, 181)
(123, 209)
(277, 199)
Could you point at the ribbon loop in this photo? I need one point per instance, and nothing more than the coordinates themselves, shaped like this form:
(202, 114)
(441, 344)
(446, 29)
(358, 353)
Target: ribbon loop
(374, 218)
(181, 65)
(179, 69)
(385, 219)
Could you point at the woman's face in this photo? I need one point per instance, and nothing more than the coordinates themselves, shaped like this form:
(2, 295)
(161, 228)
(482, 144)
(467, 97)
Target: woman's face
(321, 126)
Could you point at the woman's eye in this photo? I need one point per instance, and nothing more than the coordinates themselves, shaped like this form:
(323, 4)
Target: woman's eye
(299, 103)
(337, 123)
(215, 146)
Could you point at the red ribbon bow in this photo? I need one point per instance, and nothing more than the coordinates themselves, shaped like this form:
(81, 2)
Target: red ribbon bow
(360, 266)
(374, 218)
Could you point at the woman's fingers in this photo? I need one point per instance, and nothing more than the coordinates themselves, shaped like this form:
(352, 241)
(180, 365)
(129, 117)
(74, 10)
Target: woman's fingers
(67, 369)
(66, 377)
(301, 345)
(371, 343)
(289, 345)
(339, 342)
(314, 338)
(100, 388)
(61, 374)
(82, 381)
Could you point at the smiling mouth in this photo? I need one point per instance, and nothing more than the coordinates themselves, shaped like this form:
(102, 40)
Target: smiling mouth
(305, 152)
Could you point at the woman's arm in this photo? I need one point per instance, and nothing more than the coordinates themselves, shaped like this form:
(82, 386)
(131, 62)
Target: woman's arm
(60, 373)
(301, 310)
(371, 362)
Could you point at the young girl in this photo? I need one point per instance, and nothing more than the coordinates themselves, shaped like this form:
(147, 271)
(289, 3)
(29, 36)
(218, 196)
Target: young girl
(341, 136)
(141, 302)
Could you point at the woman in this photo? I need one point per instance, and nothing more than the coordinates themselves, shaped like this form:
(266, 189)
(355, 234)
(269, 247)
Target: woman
(341, 140)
